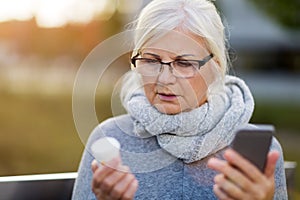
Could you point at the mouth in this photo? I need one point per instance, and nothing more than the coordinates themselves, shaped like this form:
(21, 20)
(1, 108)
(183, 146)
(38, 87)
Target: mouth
(167, 96)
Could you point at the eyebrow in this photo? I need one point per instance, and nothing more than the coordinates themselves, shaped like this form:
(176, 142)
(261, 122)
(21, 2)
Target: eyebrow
(152, 54)
(185, 55)
(177, 57)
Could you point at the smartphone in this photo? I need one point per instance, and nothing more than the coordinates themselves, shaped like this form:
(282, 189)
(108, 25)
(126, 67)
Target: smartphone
(254, 144)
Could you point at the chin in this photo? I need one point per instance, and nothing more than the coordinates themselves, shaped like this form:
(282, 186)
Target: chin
(168, 109)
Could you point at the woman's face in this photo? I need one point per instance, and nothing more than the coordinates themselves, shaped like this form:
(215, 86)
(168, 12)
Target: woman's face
(170, 94)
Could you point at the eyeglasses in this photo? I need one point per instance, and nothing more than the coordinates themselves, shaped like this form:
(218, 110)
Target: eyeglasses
(180, 68)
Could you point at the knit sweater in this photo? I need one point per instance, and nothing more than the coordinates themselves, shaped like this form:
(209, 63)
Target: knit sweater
(178, 180)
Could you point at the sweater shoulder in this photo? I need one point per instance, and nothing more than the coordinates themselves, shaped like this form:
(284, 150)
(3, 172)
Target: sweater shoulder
(112, 126)
(121, 122)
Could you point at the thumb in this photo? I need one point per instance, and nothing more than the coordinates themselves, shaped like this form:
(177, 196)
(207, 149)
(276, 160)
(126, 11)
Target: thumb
(271, 163)
(94, 165)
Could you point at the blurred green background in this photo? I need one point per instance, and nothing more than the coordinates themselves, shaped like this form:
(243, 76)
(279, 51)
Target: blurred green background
(40, 56)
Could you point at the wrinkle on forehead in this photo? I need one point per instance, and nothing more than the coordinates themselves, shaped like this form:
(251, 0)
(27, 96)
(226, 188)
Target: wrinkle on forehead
(178, 42)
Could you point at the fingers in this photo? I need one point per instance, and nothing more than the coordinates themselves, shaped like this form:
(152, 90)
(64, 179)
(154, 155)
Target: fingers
(248, 168)
(109, 182)
(243, 164)
(273, 156)
(224, 184)
(240, 179)
(94, 165)
(103, 171)
(113, 181)
(220, 193)
(131, 189)
(121, 186)
(229, 172)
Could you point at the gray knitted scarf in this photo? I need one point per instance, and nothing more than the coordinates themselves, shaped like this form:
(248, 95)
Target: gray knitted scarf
(198, 133)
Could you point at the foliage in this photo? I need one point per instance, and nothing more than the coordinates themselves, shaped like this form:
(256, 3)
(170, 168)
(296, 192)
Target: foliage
(284, 115)
(285, 12)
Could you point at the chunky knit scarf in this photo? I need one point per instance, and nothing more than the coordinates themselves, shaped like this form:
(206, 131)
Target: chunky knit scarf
(198, 133)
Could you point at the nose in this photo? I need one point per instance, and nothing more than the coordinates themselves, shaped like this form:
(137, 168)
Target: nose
(165, 76)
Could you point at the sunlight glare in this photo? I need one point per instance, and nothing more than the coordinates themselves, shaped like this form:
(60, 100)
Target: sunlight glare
(51, 13)
(16, 10)
(129, 6)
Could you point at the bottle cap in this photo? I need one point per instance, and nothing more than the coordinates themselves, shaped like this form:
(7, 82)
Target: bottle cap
(105, 149)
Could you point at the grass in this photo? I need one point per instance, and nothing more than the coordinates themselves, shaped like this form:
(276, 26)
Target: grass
(38, 133)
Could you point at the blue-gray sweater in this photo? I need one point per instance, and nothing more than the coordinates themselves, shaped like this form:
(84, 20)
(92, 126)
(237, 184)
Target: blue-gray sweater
(178, 180)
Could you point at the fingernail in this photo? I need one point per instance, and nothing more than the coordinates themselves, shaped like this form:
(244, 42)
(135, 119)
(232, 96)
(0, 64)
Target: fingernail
(212, 162)
(95, 162)
(229, 153)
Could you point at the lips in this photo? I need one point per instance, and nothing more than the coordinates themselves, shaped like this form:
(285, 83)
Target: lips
(167, 96)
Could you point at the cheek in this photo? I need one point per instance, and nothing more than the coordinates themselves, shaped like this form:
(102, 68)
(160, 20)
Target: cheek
(201, 89)
(149, 88)
(196, 92)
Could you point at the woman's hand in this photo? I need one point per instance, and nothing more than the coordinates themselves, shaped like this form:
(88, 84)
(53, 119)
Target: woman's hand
(244, 180)
(113, 181)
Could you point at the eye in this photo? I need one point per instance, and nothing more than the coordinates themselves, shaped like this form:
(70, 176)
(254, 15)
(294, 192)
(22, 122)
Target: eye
(183, 63)
(149, 61)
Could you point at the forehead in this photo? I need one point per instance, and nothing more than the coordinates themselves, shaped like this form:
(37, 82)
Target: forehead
(178, 43)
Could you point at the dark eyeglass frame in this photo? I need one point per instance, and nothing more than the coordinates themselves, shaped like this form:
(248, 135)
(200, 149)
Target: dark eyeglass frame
(200, 62)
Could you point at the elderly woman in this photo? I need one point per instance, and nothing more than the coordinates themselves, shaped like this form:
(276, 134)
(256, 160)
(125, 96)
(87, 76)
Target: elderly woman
(183, 112)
